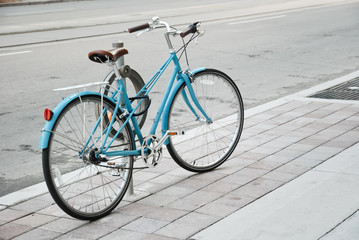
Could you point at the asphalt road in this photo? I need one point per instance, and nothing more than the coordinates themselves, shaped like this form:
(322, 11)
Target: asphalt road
(270, 49)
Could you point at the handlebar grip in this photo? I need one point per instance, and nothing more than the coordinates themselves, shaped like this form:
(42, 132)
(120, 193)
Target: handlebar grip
(139, 27)
(191, 29)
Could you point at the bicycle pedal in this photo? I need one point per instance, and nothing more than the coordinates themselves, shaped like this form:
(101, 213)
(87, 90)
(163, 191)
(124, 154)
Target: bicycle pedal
(116, 164)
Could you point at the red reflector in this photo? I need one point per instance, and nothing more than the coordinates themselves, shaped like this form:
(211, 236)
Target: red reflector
(48, 114)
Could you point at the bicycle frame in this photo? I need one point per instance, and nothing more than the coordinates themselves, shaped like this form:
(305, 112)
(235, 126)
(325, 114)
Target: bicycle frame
(163, 110)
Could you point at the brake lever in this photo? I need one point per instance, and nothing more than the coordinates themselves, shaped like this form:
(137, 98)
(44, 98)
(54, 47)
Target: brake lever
(142, 32)
(200, 34)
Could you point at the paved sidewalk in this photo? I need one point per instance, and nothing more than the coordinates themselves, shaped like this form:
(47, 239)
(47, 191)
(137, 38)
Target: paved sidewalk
(294, 175)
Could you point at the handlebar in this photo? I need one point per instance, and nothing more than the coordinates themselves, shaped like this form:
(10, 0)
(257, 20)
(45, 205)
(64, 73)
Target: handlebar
(156, 23)
(191, 29)
(139, 27)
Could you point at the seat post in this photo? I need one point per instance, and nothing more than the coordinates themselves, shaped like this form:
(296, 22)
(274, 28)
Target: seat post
(121, 60)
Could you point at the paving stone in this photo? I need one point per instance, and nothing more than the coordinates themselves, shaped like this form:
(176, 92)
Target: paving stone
(8, 215)
(252, 155)
(266, 165)
(284, 156)
(157, 200)
(293, 168)
(165, 214)
(116, 220)
(266, 150)
(233, 200)
(307, 162)
(157, 237)
(181, 172)
(238, 179)
(300, 147)
(260, 139)
(35, 220)
(38, 234)
(221, 187)
(53, 210)
(32, 205)
(203, 197)
(92, 230)
(191, 183)
(253, 172)
(233, 165)
(215, 209)
(210, 176)
(11, 230)
(339, 143)
(178, 230)
(280, 176)
(257, 188)
(322, 153)
(124, 234)
(136, 209)
(314, 140)
(150, 187)
(145, 225)
(72, 236)
(168, 179)
(185, 204)
(63, 225)
(143, 176)
(176, 191)
(187, 226)
(317, 126)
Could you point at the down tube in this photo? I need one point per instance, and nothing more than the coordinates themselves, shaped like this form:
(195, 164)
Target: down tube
(176, 69)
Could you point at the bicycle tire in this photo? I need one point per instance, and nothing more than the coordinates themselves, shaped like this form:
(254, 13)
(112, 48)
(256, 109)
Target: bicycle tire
(205, 146)
(137, 84)
(81, 187)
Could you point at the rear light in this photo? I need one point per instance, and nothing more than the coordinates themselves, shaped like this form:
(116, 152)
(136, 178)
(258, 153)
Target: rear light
(48, 114)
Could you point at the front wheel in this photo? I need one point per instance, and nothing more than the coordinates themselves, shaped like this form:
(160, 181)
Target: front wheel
(205, 144)
(80, 182)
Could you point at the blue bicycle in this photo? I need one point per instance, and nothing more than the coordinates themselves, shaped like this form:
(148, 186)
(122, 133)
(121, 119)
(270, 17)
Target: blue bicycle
(92, 138)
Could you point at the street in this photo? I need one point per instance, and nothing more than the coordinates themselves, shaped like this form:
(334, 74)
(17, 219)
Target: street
(269, 48)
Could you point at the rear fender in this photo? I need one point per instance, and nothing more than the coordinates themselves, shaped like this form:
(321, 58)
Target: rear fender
(46, 131)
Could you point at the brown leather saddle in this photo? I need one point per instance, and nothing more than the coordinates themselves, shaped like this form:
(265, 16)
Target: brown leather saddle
(104, 56)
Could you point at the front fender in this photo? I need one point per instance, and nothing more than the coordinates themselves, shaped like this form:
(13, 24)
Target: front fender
(46, 131)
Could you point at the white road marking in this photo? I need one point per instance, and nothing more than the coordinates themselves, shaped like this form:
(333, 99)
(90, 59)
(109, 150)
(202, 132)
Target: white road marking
(39, 12)
(13, 53)
(257, 20)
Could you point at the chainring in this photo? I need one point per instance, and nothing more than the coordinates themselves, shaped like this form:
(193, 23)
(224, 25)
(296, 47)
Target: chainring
(150, 155)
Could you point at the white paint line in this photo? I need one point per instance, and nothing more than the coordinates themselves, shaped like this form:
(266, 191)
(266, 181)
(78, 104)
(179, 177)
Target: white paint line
(13, 53)
(38, 12)
(257, 20)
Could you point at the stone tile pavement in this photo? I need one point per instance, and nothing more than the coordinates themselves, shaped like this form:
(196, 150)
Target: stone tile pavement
(281, 141)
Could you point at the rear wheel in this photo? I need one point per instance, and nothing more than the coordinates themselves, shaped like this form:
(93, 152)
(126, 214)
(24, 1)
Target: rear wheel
(206, 145)
(82, 183)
